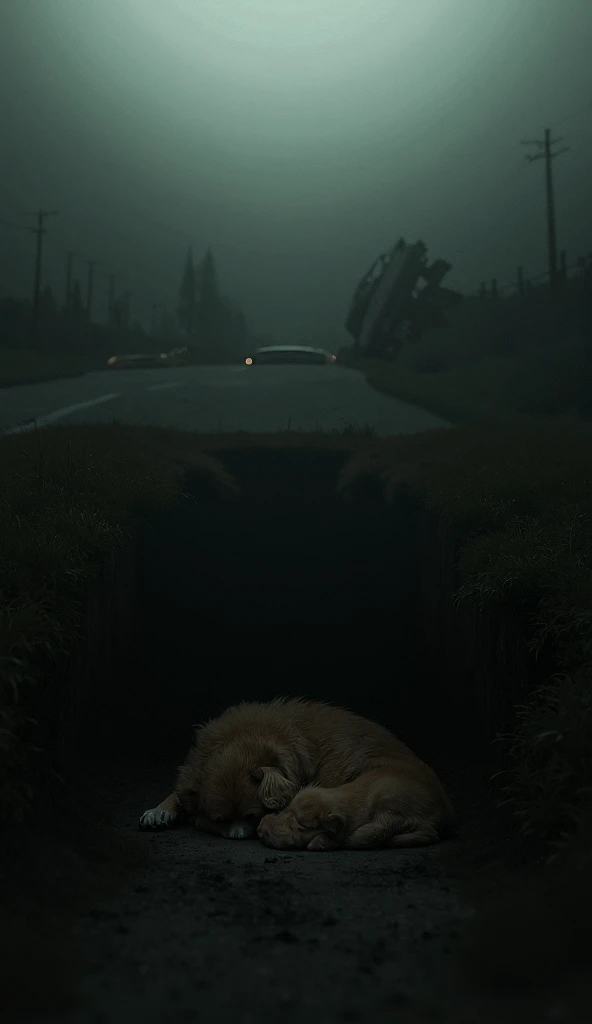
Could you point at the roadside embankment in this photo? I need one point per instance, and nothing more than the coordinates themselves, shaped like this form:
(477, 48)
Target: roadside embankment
(480, 536)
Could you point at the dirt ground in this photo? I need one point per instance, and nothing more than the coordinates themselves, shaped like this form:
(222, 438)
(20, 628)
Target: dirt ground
(104, 923)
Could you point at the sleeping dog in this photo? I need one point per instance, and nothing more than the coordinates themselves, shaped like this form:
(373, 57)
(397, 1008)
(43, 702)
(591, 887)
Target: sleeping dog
(256, 757)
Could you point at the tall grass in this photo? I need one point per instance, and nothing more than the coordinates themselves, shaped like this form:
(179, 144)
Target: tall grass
(521, 499)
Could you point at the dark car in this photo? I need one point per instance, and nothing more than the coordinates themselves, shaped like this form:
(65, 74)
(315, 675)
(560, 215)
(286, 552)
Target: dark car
(290, 354)
(153, 360)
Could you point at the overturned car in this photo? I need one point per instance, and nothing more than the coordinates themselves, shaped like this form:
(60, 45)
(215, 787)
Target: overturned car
(397, 299)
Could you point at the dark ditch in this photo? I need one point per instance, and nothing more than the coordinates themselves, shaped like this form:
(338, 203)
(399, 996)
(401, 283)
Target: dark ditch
(286, 590)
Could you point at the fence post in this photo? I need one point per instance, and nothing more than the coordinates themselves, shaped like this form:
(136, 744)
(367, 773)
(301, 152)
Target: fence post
(494, 291)
(520, 281)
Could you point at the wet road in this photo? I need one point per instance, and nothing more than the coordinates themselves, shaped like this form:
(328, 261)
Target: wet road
(212, 399)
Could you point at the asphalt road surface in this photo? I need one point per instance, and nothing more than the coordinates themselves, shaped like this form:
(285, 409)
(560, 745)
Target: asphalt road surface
(213, 399)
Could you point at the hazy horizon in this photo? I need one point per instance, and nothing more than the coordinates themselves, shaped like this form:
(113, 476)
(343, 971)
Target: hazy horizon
(299, 142)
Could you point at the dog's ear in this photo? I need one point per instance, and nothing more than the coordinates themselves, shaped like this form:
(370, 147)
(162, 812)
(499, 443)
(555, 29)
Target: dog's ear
(334, 823)
(275, 789)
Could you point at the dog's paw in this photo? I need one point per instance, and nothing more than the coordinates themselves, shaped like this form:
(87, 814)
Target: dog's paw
(157, 819)
(322, 842)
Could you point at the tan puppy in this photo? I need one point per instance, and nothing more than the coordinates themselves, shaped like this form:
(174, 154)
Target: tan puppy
(254, 758)
(402, 804)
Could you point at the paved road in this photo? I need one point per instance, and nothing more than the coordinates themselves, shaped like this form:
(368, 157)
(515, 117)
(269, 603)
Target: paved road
(212, 399)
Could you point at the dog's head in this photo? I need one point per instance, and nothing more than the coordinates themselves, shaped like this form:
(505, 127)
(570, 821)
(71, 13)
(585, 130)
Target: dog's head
(310, 815)
(240, 783)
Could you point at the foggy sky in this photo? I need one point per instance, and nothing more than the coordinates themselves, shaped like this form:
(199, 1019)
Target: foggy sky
(299, 137)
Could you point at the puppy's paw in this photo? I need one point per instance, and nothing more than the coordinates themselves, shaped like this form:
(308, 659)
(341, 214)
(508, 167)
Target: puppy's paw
(322, 842)
(156, 819)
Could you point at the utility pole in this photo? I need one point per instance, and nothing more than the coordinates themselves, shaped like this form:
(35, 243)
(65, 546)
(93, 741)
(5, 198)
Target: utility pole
(548, 156)
(89, 289)
(69, 257)
(39, 231)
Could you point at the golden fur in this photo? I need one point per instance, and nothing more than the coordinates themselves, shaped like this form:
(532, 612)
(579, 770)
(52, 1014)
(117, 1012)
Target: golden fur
(255, 757)
(399, 804)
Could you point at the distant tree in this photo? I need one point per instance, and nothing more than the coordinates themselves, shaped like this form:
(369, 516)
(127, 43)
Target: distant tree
(209, 305)
(212, 323)
(187, 307)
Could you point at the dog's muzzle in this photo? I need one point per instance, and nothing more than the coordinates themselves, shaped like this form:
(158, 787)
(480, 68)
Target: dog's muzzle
(240, 831)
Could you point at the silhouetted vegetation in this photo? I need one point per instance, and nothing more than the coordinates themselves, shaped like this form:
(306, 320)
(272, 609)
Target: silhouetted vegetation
(65, 342)
(69, 495)
(213, 325)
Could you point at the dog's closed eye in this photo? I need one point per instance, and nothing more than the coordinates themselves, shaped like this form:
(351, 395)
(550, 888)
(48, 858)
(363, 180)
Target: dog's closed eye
(308, 824)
